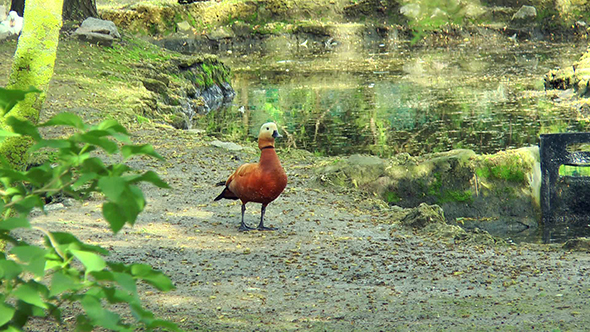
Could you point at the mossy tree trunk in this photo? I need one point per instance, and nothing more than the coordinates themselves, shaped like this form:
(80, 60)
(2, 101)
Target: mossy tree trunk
(33, 66)
(73, 10)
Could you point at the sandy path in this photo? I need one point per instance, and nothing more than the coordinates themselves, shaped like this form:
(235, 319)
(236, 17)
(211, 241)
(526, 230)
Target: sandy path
(338, 262)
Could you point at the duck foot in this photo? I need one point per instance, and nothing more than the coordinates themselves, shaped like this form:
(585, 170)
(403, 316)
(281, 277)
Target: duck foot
(244, 228)
(264, 228)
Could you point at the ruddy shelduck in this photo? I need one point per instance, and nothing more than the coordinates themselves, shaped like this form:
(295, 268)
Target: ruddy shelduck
(261, 182)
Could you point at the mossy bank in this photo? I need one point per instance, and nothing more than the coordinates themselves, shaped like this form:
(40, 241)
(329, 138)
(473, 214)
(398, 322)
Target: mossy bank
(498, 193)
(134, 81)
(263, 25)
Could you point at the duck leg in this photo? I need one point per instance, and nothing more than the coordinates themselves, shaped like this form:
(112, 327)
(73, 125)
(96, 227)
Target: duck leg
(243, 227)
(261, 226)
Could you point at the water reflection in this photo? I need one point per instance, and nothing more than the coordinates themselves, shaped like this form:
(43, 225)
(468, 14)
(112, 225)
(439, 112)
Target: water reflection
(415, 101)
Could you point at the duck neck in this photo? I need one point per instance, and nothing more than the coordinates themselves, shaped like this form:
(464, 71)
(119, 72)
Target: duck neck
(269, 158)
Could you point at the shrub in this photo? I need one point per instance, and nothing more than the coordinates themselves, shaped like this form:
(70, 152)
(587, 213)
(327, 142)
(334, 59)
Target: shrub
(36, 281)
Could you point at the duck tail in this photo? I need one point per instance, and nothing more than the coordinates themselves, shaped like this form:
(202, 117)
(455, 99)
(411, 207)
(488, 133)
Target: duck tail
(227, 194)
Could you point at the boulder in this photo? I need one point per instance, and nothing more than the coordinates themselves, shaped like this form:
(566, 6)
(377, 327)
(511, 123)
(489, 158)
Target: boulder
(183, 26)
(220, 33)
(98, 31)
(578, 244)
(525, 12)
(230, 146)
(155, 85)
(424, 215)
(411, 10)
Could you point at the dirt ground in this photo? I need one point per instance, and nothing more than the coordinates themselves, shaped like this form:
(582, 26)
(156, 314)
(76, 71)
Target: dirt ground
(339, 261)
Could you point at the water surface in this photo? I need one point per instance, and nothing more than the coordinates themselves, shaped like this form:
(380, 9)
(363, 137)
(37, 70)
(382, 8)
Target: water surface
(407, 99)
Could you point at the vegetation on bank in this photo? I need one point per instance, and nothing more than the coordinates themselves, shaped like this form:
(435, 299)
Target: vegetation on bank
(246, 19)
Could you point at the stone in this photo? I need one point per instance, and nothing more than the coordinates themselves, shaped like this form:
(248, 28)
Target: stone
(154, 85)
(230, 146)
(410, 10)
(525, 12)
(220, 33)
(184, 26)
(357, 170)
(578, 244)
(98, 31)
(424, 215)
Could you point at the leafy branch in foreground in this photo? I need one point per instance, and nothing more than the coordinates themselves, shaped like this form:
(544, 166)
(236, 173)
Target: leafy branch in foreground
(36, 281)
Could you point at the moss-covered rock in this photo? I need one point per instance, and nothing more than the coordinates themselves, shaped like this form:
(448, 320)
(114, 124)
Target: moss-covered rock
(498, 192)
(357, 170)
(578, 244)
(424, 215)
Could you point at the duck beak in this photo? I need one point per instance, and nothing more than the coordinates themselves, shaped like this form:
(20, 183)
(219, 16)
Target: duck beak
(275, 134)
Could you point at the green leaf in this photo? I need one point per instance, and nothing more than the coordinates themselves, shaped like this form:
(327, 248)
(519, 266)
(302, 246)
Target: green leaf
(83, 179)
(6, 313)
(153, 277)
(116, 130)
(143, 149)
(115, 295)
(26, 253)
(37, 266)
(91, 261)
(51, 143)
(96, 137)
(40, 175)
(28, 294)
(9, 98)
(33, 255)
(112, 186)
(99, 315)
(14, 223)
(114, 215)
(28, 203)
(149, 176)
(119, 169)
(69, 240)
(12, 175)
(112, 126)
(23, 127)
(126, 281)
(6, 133)
(61, 282)
(94, 165)
(65, 119)
(9, 269)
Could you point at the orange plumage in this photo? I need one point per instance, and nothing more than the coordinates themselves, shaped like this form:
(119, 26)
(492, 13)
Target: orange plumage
(261, 182)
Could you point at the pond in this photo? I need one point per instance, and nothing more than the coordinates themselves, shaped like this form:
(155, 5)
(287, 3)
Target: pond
(414, 100)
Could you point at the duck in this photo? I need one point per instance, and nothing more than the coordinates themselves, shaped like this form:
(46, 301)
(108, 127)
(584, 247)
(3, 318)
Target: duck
(260, 182)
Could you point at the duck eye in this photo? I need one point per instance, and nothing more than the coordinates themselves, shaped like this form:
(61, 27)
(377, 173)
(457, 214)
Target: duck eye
(267, 128)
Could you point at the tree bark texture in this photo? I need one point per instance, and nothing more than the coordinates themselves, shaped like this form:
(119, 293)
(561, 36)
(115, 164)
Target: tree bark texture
(73, 10)
(18, 6)
(33, 65)
(79, 10)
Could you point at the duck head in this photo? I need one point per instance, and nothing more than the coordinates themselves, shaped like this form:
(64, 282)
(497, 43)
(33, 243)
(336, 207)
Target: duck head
(266, 136)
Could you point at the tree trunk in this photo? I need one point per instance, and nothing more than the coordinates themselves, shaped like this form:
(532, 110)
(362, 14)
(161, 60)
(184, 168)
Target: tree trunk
(18, 6)
(73, 10)
(33, 66)
(79, 10)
